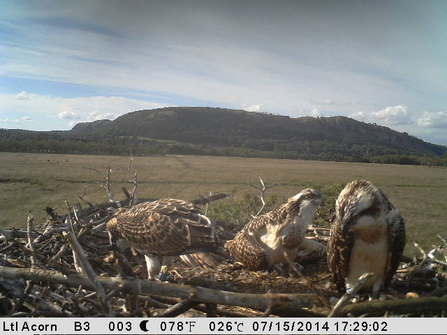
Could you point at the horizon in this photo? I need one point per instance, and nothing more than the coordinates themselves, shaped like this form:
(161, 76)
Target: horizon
(380, 62)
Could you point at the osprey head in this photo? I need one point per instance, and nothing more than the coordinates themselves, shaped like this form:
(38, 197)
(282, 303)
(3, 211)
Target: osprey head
(359, 199)
(307, 198)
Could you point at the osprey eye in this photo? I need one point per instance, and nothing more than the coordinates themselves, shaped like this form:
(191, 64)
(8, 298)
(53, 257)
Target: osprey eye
(311, 196)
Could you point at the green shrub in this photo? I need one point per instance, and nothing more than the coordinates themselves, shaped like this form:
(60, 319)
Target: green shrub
(241, 211)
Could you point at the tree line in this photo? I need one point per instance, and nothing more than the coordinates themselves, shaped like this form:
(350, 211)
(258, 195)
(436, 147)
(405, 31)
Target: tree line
(23, 141)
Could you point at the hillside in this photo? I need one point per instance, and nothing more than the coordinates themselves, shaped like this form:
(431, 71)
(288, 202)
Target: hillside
(217, 131)
(238, 128)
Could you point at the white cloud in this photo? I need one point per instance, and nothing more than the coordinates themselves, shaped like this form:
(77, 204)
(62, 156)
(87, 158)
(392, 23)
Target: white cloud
(358, 116)
(392, 115)
(22, 96)
(17, 121)
(46, 109)
(433, 119)
(315, 112)
(429, 126)
(389, 116)
(96, 115)
(252, 108)
(66, 115)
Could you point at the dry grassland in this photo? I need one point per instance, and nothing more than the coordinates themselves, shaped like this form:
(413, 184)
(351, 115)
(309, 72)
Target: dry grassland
(29, 182)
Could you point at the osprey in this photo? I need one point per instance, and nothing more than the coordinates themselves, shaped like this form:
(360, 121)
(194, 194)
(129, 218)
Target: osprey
(367, 235)
(275, 237)
(164, 228)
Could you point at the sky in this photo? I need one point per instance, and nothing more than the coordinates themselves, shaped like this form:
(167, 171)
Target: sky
(384, 62)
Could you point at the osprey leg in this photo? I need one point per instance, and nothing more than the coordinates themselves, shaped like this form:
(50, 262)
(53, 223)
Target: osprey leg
(165, 274)
(153, 266)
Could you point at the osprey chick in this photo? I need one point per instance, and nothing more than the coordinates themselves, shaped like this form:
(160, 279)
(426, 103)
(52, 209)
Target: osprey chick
(367, 235)
(275, 237)
(166, 227)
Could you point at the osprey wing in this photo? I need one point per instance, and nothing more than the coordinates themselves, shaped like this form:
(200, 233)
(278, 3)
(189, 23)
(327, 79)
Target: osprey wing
(246, 248)
(165, 227)
(396, 243)
(339, 253)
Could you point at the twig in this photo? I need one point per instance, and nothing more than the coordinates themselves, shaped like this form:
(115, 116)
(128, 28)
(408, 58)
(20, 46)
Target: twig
(134, 190)
(422, 251)
(432, 257)
(129, 167)
(162, 302)
(134, 181)
(52, 213)
(179, 308)
(152, 301)
(207, 200)
(424, 306)
(344, 300)
(107, 185)
(69, 220)
(30, 227)
(83, 195)
(21, 299)
(81, 256)
(421, 264)
(262, 190)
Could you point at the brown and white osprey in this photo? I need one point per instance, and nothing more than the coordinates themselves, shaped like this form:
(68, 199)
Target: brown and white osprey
(367, 235)
(164, 228)
(275, 237)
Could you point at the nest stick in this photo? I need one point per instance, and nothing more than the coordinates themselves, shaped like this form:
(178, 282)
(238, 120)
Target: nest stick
(349, 295)
(83, 260)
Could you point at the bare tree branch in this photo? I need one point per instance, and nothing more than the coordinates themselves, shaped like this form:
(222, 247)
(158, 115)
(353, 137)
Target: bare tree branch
(133, 181)
(84, 191)
(417, 307)
(86, 266)
(30, 227)
(349, 295)
(262, 191)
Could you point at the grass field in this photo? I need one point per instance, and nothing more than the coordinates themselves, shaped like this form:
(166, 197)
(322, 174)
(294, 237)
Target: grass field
(29, 182)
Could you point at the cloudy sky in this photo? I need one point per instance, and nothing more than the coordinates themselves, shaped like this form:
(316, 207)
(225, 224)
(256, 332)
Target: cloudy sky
(384, 62)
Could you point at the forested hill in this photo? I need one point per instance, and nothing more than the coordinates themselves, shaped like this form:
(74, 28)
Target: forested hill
(238, 128)
(217, 131)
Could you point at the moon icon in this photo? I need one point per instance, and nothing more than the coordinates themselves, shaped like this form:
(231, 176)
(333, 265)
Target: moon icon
(143, 325)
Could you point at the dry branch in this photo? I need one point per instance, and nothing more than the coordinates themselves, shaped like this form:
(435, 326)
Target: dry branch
(86, 266)
(283, 304)
(11, 234)
(425, 306)
(179, 308)
(134, 181)
(30, 227)
(211, 198)
(262, 191)
(349, 295)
